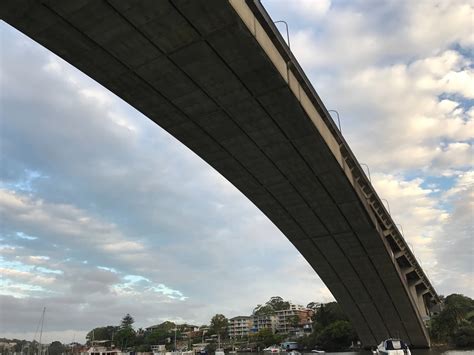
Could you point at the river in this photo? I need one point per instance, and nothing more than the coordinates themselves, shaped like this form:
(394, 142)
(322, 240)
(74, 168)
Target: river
(414, 352)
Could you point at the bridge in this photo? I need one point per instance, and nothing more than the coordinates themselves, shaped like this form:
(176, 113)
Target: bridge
(218, 76)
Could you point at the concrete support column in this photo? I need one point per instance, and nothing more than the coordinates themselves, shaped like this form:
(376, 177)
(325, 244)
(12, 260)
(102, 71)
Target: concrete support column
(420, 302)
(418, 291)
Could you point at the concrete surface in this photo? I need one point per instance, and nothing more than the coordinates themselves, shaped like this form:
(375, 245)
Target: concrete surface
(217, 76)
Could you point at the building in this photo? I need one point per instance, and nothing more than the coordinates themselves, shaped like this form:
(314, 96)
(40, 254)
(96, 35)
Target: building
(239, 326)
(296, 317)
(268, 321)
(296, 307)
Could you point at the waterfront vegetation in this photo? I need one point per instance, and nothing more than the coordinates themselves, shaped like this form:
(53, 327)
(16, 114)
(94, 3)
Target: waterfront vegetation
(331, 331)
(453, 327)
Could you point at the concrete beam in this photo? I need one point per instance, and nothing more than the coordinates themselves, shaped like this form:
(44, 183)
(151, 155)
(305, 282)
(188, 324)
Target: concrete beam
(215, 76)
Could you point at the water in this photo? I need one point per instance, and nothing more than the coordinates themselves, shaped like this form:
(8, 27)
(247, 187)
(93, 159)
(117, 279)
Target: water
(414, 352)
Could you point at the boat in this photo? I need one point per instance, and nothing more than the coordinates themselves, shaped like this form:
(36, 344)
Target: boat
(40, 350)
(392, 347)
(102, 347)
(272, 349)
(318, 351)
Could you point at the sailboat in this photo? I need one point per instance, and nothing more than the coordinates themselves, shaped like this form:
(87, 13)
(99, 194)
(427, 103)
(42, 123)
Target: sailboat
(41, 322)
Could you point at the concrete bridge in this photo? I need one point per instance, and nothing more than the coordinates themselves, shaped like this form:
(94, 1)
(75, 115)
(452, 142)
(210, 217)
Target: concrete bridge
(217, 75)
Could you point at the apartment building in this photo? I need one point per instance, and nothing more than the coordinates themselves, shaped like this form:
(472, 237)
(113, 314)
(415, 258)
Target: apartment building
(269, 321)
(292, 318)
(239, 326)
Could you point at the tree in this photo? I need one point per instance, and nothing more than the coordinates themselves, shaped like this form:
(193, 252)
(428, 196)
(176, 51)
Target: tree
(313, 305)
(329, 313)
(219, 325)
(263, 310)
(265, 337)
(337, 336)
(278, 304)
(275, 303)
(102, 333)
(56, 348)
(127, 321)
(294, 321)
(125, 338)
(167, 326)
(157, 336)
(454, 324)
(464, 336)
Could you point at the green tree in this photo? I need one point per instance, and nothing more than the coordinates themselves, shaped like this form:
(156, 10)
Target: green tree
(265, 337)
(102, 333)
(275, 303)
(329, 313)
(219, 325)
(278, 304)
(263, 310)
(56, 348)
(313, 305)
(336, 336)
(167, 326)
(127, 321)
(294, 321)
(454, 324)
(310, 341)
(464, 336)
(157, 336)
(125, 338)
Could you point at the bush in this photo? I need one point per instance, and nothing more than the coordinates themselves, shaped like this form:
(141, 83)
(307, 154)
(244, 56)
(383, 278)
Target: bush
(336, 336)
(464, 336)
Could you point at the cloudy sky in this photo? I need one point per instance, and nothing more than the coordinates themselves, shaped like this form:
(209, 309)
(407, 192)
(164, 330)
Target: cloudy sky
(103, 213)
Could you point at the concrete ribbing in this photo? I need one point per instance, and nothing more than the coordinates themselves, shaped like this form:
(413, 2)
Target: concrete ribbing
(196, 70)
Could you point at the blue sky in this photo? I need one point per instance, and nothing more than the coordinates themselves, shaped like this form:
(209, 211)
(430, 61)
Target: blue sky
(103, 213)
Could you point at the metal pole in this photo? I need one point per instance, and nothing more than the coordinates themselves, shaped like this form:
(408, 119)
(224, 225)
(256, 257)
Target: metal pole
(368, 170)
(403, 233)
(41, 331)
(338, 120)
(388, 205)
(287, 31)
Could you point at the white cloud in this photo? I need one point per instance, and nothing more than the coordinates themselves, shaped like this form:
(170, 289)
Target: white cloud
(441, 237)
(68, 225)
(25, 276)
(116, 200)
(417, 210)
(307, 9)
(400, 108)
(463, 186)
(312, 9)
(455, 268)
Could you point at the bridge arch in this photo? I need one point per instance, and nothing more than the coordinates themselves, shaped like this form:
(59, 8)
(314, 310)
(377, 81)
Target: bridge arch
(218, 76)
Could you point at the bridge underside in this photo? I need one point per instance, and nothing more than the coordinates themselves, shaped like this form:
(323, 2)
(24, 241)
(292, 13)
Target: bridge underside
(208, 73)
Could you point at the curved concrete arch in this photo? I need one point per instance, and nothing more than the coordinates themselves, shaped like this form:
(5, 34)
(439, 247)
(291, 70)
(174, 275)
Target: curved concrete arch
(217, 76)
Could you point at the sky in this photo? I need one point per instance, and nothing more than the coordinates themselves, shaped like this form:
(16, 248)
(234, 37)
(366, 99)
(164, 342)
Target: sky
(103, 213)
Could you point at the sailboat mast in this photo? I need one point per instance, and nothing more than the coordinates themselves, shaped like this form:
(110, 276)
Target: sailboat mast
(41, 331)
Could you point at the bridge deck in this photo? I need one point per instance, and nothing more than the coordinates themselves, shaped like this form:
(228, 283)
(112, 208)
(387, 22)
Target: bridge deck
(214, 76)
